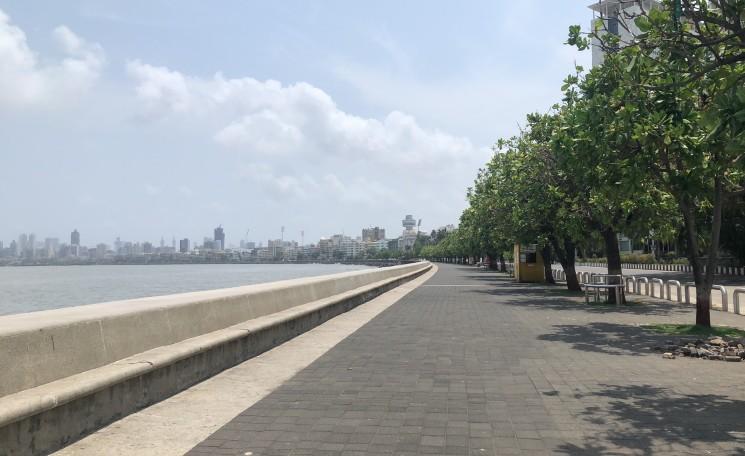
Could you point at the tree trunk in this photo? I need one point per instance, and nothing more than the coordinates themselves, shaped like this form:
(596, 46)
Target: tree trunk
(705, 279)
(566, 254)
(492, 262)
(700, 278)
(614, 258)
(547, 272)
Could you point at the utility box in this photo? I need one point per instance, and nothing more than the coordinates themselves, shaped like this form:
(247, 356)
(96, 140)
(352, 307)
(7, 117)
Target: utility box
(528, 264)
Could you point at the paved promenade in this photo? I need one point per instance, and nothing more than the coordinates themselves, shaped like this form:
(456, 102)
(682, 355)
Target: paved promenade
(471, 363)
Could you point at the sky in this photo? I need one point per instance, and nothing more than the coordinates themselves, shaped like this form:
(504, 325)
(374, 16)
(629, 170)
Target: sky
(162, 118)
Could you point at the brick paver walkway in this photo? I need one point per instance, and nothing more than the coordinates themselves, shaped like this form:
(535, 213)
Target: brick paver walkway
(471, 363)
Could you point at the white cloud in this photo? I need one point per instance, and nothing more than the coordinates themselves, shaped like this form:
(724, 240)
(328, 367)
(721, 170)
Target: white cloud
(24, 80)
(267, 118)
(327, 187)
(262, 133)
(294, 149)
(278, 186)
(69, 41)
(160, 89)
(484, 105)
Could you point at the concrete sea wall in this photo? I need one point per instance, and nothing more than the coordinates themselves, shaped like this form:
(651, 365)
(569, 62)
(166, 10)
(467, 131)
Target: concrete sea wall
(70, 371)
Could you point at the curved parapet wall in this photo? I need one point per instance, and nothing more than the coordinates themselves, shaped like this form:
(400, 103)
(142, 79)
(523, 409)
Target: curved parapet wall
(76, 369)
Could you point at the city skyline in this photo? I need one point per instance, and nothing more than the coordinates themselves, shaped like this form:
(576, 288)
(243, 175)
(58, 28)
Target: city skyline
(77, 237)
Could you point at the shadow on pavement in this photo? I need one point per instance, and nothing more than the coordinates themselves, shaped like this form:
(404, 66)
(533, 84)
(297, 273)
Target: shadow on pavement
(607, 338)
(647, 420)
(541, 297)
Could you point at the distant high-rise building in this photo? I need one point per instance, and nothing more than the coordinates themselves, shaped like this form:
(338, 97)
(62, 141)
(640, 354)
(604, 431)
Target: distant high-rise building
(147, 247)
(184, 245)
(373, 234)
(75, 237)
(22, 244)
(100, 251)
(32, 244)
(51, 246)
(162, 242)
(219, 238)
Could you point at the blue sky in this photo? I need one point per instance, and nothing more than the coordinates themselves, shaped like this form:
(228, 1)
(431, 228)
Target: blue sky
(144, 119)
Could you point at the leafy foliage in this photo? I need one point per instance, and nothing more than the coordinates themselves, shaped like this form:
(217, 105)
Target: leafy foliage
(650, 143)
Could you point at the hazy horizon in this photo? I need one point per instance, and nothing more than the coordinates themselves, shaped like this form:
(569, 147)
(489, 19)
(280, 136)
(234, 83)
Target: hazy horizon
(146, 119)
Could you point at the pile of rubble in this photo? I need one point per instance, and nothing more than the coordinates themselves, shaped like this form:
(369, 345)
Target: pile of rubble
(716, 348)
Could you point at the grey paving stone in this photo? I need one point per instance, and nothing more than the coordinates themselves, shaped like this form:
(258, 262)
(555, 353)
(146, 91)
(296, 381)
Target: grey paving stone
(500, 368)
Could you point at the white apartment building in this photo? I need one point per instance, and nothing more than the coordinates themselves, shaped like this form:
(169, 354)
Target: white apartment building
(380, 244)
(618, 18)
(352, 248)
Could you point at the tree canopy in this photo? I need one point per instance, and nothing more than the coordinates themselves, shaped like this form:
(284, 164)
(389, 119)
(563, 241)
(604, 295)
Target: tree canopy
(650, 143)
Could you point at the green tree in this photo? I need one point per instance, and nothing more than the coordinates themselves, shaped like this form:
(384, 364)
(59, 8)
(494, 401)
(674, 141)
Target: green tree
(683, 82)
(597, 149)
(534, 196)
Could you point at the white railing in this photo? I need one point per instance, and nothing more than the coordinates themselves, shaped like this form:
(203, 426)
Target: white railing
(678, 294)
(645, 281)
(633, 285)
(632, 280)
(736, 298)
(723, 291)
(686, 287)
(661, 283)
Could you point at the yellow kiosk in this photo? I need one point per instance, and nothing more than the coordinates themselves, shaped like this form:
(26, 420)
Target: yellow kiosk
(528, 263)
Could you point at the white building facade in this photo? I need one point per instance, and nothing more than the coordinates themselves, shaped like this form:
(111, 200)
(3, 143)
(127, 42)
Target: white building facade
(617, 17)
